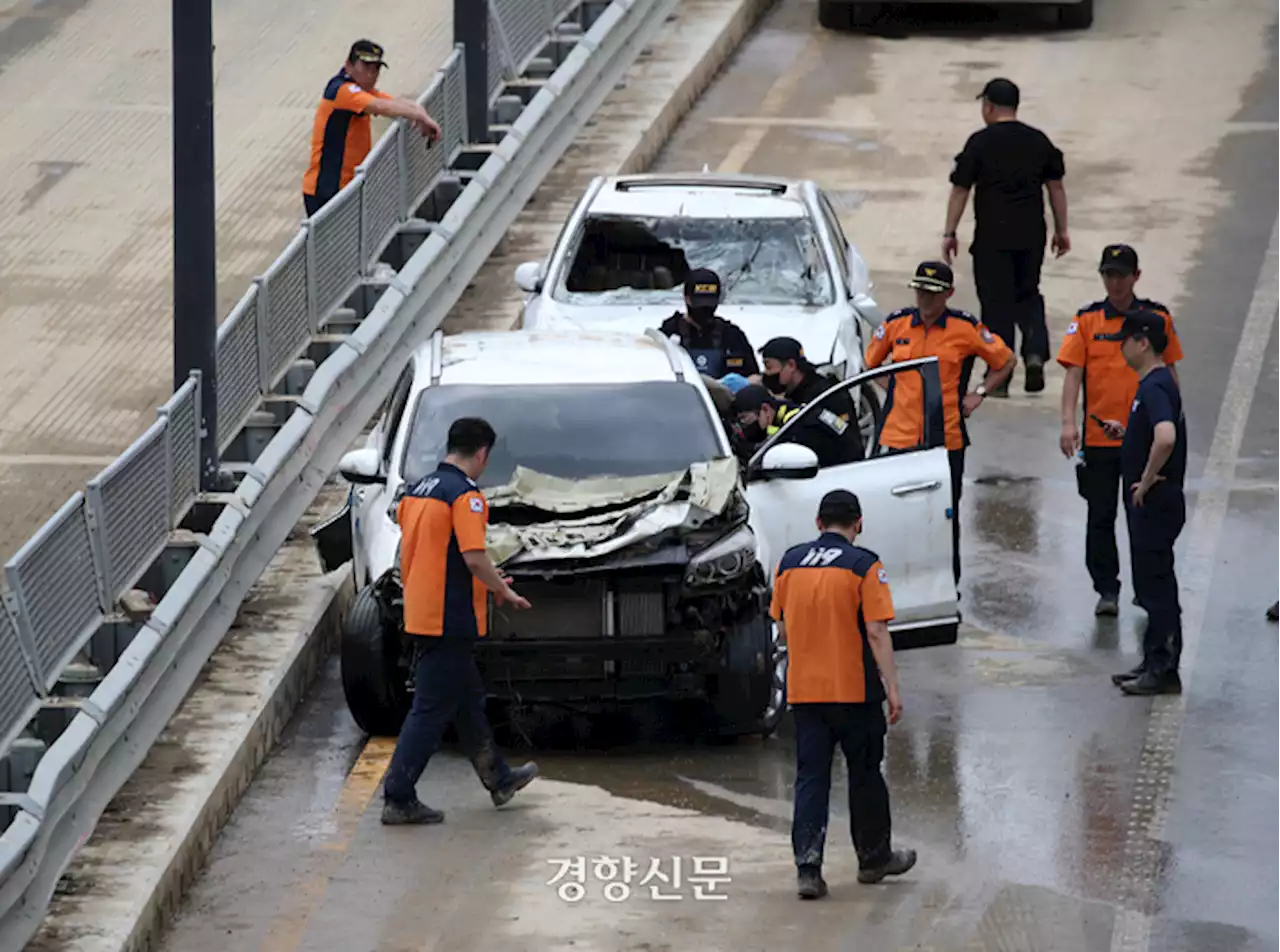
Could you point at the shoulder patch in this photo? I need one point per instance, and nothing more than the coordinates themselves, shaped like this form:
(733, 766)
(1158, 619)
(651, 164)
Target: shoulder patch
(986, 335)
(1073, 327)
(353, 88)
(477, 504)
(883, 576)
(879, 334)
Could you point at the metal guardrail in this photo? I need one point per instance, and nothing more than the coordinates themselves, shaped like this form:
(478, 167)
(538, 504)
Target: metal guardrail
(89, 677)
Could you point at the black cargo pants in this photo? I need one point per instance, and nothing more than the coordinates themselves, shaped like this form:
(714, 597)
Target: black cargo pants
(447, 686)
(1098, 482)
(1008, 286)
(1154, 527)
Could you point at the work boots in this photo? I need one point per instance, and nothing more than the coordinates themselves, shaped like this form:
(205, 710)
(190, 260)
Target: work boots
(520, 778)
(899, 862)
(413, 813)
(809, 883)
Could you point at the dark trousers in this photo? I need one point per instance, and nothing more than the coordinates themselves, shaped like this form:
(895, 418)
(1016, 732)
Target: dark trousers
(1008, 286)
(1098, 482)
(1153, 529)
(313, 203)
(859, 730)
(447, 687)
(956, 459)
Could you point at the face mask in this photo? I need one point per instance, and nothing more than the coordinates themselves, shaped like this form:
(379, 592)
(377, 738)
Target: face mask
(753, 431)
(773, 382)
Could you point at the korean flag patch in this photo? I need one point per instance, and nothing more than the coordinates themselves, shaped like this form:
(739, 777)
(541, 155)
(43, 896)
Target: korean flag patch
(1073, 327)
(880, 332)
(987, 336)
(883, 576)
(477, 504)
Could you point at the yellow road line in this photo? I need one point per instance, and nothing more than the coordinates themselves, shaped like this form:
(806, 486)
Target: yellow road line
(289, 926)
(775, 100)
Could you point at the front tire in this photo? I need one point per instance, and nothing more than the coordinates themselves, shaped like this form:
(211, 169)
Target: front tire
(374, 681)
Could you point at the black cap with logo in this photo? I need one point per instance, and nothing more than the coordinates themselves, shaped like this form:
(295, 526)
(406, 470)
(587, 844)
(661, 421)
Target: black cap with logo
(1143, 324)
(1001, 92)
(934, 276)
(366, 51)
(784, 349)
(1121, 259)
(702, 288)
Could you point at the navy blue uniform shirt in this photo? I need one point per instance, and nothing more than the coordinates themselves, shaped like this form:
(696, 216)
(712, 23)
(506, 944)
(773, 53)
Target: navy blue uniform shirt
(1158, 401)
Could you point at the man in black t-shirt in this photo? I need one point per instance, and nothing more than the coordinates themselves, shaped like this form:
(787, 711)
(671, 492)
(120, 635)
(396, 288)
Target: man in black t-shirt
(1153, 464)
(1008, 164)
(718, 346)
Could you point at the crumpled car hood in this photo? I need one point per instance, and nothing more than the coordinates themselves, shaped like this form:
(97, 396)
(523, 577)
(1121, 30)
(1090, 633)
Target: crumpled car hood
(664, 503)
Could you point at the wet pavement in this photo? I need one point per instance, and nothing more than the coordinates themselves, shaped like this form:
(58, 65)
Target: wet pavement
(1050, 811)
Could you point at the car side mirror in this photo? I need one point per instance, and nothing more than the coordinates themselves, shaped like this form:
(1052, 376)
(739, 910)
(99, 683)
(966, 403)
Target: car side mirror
(529, 277)
(789, 461)
(362, 467)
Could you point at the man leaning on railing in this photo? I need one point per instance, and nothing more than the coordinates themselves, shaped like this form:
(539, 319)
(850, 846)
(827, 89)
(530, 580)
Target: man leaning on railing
(341, 137)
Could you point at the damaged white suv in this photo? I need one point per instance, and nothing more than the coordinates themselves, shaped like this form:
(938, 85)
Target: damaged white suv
(620, 510)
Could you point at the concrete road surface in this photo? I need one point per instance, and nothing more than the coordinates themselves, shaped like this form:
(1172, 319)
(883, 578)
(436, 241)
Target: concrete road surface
(86, 195)
(1050, 811)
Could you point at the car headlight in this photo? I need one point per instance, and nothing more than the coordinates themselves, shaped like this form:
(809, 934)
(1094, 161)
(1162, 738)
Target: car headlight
(728, 558)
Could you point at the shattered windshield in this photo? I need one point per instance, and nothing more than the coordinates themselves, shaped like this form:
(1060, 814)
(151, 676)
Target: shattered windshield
(575, 431)
(624, 260)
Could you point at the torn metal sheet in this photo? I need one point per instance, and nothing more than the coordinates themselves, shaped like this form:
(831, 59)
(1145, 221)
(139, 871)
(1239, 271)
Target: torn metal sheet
(668, 503)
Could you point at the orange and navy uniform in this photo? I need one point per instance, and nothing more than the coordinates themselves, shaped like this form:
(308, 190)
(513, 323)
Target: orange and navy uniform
(824, 593)
(341, 136)
(442, 516)
(956, 338)
(1110, 385)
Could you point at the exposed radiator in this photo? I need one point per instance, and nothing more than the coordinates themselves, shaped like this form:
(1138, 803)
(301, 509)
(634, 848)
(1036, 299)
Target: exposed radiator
(571, 609)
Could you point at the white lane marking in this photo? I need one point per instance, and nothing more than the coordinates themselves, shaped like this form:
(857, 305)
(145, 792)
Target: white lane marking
(1149, 809)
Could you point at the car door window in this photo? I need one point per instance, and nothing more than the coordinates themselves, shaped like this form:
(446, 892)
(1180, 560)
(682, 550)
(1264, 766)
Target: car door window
(833, 222)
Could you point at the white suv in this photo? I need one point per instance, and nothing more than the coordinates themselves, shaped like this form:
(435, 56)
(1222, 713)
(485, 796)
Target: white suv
(777, 244)
(620, 510)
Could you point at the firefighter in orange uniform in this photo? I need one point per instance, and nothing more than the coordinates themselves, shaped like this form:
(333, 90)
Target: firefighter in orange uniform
(931, 329)
(832, 605)
(446, 573)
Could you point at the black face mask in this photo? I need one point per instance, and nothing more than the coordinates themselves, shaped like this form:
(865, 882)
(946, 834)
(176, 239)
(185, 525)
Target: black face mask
(753, 432)
(772, 382)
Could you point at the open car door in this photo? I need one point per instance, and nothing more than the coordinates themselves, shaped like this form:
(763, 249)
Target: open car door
(905, 497)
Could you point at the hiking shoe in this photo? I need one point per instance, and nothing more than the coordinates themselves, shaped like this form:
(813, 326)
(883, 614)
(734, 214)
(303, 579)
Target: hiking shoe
(1107, 605)
(1035, 375)
(1150, 683)
(413, 813)
(899, 862)
(810, 884)
(520, 778)
(1125, 676)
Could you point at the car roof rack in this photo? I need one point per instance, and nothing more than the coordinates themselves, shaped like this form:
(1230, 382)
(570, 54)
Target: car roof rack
(712, 181)
(668, 345)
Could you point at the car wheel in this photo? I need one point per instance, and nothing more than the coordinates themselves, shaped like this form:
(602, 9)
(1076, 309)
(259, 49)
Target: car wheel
(373, 679)
(1076, 16)
(845, 15)
(870, 416)
(776, 709)
(743, 687)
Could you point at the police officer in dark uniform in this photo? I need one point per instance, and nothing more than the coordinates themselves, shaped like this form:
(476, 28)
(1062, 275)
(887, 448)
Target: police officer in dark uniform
(718, 347)
(1153, 462)
(833, 432)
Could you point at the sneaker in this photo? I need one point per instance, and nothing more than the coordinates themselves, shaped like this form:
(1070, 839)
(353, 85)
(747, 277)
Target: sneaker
(1107, 605)
(899, 862)
(1149, 684)
(1125, 676)
(520, 778)
(1035, 375)
(413, 813)
(810, 884)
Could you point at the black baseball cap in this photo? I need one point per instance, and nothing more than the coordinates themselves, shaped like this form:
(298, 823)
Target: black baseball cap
(367, 51)
(752, 397)
(1001, 92)
(1121, 258)
(1142, 323)
(933, 276)
(702, 287)
(784, 349)
(839, 506)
